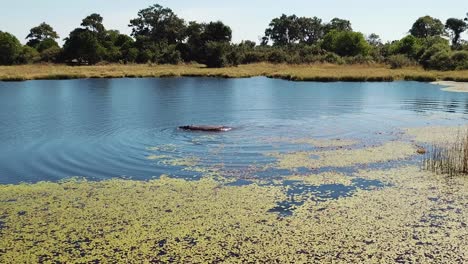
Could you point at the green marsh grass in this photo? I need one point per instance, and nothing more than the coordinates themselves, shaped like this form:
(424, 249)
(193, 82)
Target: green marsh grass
(449, 158)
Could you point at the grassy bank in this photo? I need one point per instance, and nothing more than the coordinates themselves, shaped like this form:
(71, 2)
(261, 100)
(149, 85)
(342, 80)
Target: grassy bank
(323, 72)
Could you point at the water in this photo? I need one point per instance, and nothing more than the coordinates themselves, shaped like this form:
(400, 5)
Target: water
(105, 128)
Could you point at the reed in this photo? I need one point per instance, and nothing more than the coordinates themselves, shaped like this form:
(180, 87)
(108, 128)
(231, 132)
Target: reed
(449, 158)
(293, 72)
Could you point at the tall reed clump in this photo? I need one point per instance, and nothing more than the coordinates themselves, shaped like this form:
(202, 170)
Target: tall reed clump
(450, 158)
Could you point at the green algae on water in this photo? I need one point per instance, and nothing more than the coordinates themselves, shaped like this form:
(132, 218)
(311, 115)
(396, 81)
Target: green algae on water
(419, 218)
(323, 179)
(344, 157)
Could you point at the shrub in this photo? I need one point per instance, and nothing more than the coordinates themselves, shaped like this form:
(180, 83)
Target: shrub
(460, 60)
(145, 56)
(409, 46)
(233, 57)
(253, 57)
(440, 61)
(278, 56)
(10, 48)
(216, 54)
(346, 43)
(51, 54)
(359, 59)
(331, 57)
(28, 55)
(399, 61)
(426, 60)
(170, 55)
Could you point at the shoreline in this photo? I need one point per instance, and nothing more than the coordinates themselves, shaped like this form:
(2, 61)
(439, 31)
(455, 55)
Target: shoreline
(454, 87)
(303, 72)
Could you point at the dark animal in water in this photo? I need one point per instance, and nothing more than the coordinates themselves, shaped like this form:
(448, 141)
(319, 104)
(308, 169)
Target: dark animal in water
(206, 128)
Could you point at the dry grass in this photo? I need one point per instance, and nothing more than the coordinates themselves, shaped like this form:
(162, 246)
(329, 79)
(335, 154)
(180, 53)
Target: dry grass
(316, 72)
(450, 158)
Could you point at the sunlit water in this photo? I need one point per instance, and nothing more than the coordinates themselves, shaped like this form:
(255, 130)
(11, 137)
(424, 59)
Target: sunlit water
(105, 128)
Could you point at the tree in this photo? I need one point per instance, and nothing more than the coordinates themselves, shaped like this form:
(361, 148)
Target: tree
(41, 33)
(247, 44)
(10, 48)
(455, 27)
(216, 32)
(198, 37)
(346, 43)
(338, 24)
(42, 37)
(283, 30)
(374, 40)
(158, 24)
(310, 29)
(409, 46)
(83, 45)
(427, 26)
(93, 23)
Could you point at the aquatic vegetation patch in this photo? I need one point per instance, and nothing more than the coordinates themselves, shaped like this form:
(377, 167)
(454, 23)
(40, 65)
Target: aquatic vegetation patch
(435, 134)
(420, 218)
(318, 143)
(181, 162)
(323, 178)
(450, 158)
(344, 157)
(163, 148)
(157, 157)
(325, 143)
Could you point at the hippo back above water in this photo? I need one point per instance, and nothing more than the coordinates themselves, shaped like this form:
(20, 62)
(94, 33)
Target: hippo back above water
(206, 128)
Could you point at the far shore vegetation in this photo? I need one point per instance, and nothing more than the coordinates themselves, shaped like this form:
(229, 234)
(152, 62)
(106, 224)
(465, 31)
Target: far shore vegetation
(159, 37)
(294, 72)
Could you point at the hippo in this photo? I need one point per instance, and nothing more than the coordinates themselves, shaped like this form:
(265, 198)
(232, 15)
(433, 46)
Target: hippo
(206, 128)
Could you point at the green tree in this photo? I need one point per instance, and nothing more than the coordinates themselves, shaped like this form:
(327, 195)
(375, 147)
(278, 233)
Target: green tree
(248, 44)
(337, 24)
(374, 40)
(198, 37)
(216, 32)
(283, 30)
(159, 25)
(346, 43)
(41, 33)
(46, 44)
(83, 45)
(310, 30)
(455, 27)
(10, 48)
(94, 23)
(427, 26)
(409, 46)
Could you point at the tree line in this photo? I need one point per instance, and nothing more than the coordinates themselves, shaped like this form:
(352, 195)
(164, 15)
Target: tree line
(160, 36)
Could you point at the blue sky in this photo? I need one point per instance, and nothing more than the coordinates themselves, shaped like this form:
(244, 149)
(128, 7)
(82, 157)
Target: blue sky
(248, 19)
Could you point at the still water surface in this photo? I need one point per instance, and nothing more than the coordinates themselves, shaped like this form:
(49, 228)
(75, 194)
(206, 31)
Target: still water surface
(104, 128)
